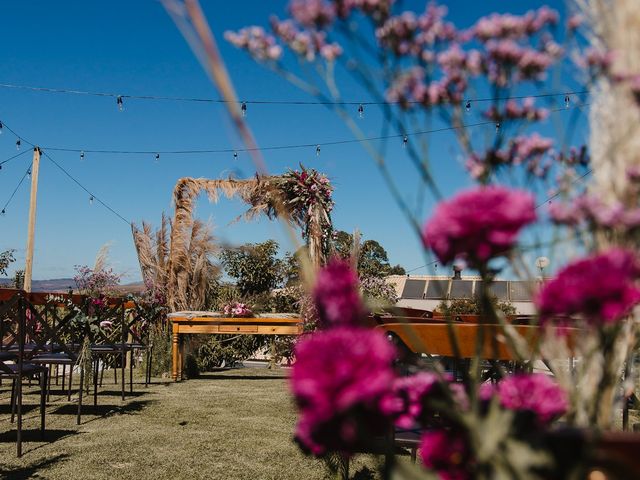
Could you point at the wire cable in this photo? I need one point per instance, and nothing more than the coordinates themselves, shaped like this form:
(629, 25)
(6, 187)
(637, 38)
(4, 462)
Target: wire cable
(11, 158)
(93, 195)
(313, 145)
(26, 174)
(259, 101)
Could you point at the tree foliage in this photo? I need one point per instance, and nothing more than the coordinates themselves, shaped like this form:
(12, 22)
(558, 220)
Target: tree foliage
(373, 260)
(255, 267)
(6, 259)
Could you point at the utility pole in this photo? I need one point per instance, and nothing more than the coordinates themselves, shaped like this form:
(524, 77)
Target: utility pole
(28, 269)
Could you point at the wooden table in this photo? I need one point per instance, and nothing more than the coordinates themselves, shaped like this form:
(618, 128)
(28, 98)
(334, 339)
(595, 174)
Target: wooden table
(216, 323)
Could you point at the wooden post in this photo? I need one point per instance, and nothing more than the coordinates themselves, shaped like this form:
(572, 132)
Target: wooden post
(28, 269)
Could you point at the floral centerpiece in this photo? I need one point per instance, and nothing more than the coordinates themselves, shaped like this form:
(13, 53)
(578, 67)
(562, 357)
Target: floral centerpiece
(237, 309)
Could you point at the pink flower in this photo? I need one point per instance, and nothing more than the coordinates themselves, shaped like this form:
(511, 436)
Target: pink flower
(478, 224)
(405, 403)
(312, 13)
(536, 393)
(337, 294)
(338, 379)
(446, 453)
(106, 324)
(601, 288)
(256, 41)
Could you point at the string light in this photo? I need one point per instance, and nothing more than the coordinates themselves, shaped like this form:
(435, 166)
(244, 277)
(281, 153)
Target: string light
(468, 106)
(157, 157)
(497, 127)
(567, 101)
(235, 155)
(3, 212)
(317, 150)
(82, 155)
(361, 111)
(29, 173)
(405, 140)
(18, 143)
(1, 128)
(243, 109)
(120, 103)
(91, 200)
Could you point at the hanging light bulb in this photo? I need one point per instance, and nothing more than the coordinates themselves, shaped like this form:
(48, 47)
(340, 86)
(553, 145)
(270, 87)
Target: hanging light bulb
(18, 143)
(82, 155)
(1, 125)
(91, 200)
(157, 157)
(405, 140)
(243, 109)
(29, 173)
(360, 111)
(567, 101)
(497, 127)
(235, 155)
(467, 106)
(317, 150)
(120, 103)
(3, 211)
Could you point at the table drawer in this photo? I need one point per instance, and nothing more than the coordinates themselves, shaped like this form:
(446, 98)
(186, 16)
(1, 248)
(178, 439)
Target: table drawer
(238, 329)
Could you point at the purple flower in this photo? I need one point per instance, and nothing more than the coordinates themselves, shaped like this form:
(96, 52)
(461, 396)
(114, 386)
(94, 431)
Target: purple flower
(312, 13)
(337, 294)
(478, 224)
(338, 379)
(256, 41)
(446, 453)
(601, 288)
(536, 393)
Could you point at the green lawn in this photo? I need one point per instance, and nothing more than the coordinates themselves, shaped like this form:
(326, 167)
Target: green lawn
(234, 424)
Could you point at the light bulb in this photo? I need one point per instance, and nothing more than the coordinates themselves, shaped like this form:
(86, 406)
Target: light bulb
(235, 155)
(567, 101)
(157, 157)
(317, 150)
(120, 103)
(91, 200)
(18, 143)
(497, 127)
(82, 155)
(3, 212)
(405, 140)
(1, 128)
(360, 111)
(29, 172)
(243, 109)
(468, 106)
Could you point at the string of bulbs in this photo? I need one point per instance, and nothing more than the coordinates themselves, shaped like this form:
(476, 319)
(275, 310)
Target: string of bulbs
(236, 151)
(92, 196)
(120, 97)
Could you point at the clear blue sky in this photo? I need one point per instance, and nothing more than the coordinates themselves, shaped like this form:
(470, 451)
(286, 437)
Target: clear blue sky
(134, 48)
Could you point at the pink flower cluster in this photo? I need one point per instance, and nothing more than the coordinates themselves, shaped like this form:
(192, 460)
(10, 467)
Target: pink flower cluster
(410, 87)
(96, 283)
(478, 224)
(601, 289)
(507, 59)
(256, 41)
(592, 210)
(237, 310)
(514, 111)
(409, 34)
(337, 294)
(312, 13)
(338, 379)
(307, 44)
(507, 26)
(446, 453)
(536, 393)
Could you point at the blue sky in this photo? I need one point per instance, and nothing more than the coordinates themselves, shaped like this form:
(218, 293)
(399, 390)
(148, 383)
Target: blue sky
(134, 48)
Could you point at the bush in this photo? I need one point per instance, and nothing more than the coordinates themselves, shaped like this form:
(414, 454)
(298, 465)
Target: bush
(473, 306)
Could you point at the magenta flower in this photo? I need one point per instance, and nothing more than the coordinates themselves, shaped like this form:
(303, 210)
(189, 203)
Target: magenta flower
(446, 453)
(536, 393)
(405, 402)
(601, 288)
(478, 224)
(338, 379)
(337, 294)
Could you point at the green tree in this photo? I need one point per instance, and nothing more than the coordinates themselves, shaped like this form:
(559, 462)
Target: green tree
(6, 259)
(255, 267)
(373, 260)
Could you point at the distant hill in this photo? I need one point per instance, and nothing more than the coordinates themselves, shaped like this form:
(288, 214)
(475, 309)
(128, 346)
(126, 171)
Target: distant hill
(63, 285)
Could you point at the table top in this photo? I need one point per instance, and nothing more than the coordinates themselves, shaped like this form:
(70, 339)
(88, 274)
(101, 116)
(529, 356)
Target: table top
(218, 317)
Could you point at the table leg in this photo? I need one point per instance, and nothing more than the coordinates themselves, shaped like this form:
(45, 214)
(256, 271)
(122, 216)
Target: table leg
(181, 343)
(174, 353)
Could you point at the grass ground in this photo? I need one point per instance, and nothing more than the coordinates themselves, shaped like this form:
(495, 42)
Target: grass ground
(234, 424)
